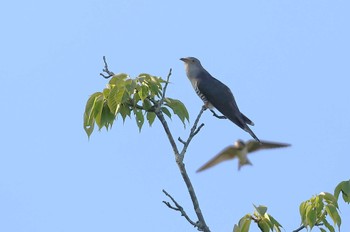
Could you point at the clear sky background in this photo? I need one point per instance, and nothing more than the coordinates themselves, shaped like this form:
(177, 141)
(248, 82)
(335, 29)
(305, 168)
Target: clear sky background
(287, 63)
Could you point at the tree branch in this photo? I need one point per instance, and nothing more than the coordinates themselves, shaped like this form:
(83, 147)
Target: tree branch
(201, 225)
(303, 227)
(178, 208)
(106, 70)
(193, 132)
(165, 88)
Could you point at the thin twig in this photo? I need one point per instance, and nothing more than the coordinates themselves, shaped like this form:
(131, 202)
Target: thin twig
(198, 129)
(106, 70)
(165, 88)
(181, 141)
(303, 227)
(193, 132)
(162, 120)
(178, 208)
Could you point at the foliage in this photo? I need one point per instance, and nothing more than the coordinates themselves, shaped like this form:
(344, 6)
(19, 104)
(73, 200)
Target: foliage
(264, 220)
(314, 212)
(344, 188)
(124, 96)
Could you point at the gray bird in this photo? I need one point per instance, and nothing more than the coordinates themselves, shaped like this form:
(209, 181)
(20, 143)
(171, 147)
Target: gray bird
(215, 94)
(241, 151)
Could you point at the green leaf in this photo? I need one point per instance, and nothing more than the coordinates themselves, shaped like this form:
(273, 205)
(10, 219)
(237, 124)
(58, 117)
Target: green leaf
(124, 111)
(319, 204)
(107, 117)
(89, 124)
(236, 228)
(244, 223)
(118, 77)
(150, 117)
(89, 117)
(139, 118)
(146, 104)
(344, 188)
(154, 85)
(111, 101)
(322, 230)
(166, 111)
(130, 86)
(122, 95)
(329, 198)
(136, 97)
(106, 92)
(178, 108)
(311, 216)
(264, 225)
(329, 226)
(261, 210)
(99, 101)
(277, 226)
(302, 211)
(143, 92)
(333, 213)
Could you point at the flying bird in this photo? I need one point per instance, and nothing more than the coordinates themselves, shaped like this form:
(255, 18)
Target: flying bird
(241, 151)
(215, 94)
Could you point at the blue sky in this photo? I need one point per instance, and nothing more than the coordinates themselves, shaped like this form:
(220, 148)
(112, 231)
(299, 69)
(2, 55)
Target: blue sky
(287, 63)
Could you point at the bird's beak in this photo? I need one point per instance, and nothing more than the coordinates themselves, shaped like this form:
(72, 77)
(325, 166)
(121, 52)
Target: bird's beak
(184, 59)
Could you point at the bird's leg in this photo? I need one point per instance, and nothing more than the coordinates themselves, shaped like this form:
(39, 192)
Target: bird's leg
(218, 116)
(207, 106)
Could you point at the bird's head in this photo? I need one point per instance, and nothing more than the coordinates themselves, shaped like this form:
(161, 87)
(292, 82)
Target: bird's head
(192, 65)
(191, 60)
(239, 144)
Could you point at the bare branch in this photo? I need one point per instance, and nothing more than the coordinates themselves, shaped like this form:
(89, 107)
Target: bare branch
(162, 120)
(181, 141)
(201, 225)
(165, 88)
(178, 208)
(198, 129)
(106, 70)
(193, 132)
(303, 227)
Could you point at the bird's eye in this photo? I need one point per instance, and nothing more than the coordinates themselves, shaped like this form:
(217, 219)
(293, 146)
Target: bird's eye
(192, 61)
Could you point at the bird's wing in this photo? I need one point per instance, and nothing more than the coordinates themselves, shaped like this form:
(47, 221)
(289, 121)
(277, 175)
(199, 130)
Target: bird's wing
(253, 145)
(227, 154)
(221, 97)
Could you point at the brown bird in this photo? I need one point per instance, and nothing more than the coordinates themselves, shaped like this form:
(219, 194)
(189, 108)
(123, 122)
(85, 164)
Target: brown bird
(241, 151)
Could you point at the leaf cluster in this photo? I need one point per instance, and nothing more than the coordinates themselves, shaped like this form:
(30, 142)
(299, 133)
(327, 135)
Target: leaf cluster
(315, 211)
(124, 96)
(264, 221)
(343, 188)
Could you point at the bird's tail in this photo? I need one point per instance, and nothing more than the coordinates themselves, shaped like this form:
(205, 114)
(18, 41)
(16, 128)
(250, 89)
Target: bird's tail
(247, 129)
(247, 120)
(242, 163)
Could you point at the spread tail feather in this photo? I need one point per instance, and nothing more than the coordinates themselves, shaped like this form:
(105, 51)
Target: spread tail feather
(247, 120)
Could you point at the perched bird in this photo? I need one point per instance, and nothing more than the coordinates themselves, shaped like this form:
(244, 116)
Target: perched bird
(215, 94)
(241, 151)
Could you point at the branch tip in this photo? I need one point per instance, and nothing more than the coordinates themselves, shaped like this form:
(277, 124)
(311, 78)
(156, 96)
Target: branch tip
(106, 70)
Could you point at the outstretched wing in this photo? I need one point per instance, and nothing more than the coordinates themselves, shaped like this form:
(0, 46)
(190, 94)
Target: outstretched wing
(227, 154)
(253, 145)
